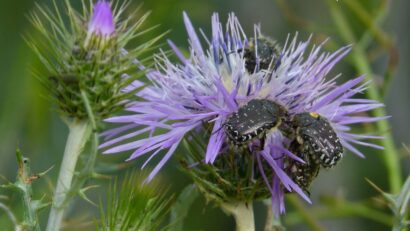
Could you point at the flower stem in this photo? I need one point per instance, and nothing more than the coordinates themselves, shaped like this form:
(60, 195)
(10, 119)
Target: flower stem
(391, 157)
(272, 222)
(269, 218)
(243, 214)
(79, 132)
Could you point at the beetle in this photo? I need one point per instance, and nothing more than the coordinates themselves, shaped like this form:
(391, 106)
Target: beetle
(253, 120)
(261, 54)
(301, 173)
(317, 138)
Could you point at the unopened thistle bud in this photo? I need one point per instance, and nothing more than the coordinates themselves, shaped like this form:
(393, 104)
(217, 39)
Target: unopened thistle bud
(88, 65)
(101, 26)
(102, 21)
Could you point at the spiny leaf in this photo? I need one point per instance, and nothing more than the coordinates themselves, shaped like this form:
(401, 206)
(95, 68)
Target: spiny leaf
(130, 206)
(84, 196)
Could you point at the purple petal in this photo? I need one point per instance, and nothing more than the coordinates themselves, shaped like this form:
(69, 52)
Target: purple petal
(124, 137)
(215, 142)
(177, 52)
(284, 178)
(102, 20)
(361, 119)
(116, 131)
(363, 143)
(352, 149)
(163, 161)
(195, 43)
(337, 92)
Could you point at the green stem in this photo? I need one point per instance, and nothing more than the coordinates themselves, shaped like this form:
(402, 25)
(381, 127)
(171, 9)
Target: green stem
(272, 223)
(77, 138)
(11, 216)
(370, 22)
(243, 214)
(306, 215)
(87, 170)
(342, 211)
(380, 16)
(339, 206)
(30, 213)
(24, 180)
(391, 156)
(270, 218)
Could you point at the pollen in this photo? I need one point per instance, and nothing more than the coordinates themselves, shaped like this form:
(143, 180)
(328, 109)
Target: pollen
(314, 115)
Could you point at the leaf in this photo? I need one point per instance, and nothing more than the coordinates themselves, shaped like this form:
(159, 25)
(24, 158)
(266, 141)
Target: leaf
(180, 209)
(398, 204)
(134, 206)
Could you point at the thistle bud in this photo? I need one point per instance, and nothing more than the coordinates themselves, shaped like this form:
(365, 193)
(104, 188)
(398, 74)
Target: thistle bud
(88, 65)
(102, 20)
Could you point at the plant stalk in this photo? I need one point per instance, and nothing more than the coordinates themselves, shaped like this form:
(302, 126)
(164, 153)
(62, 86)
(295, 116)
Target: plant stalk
(79, 132)
(306, 215)
(30, 212)
(272, 223)
(243, 214)
(87, 169)
(23, 183)
(391, 156)
(11, 216)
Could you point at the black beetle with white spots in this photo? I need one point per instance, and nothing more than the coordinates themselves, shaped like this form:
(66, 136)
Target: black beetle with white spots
(312, 137)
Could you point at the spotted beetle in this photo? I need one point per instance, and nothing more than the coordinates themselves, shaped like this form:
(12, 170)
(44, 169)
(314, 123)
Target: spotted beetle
(317, 138)
(253, 120)
(267, 50)
(301, 173)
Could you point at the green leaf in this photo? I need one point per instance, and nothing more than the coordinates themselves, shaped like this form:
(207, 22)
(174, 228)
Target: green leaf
(180, 209)
(398, 204)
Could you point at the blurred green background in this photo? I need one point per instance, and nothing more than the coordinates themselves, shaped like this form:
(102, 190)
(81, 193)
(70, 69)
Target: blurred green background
(28, 120)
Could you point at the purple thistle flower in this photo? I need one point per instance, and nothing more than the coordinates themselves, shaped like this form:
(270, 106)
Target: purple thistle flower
(102, 20)
(212, 84)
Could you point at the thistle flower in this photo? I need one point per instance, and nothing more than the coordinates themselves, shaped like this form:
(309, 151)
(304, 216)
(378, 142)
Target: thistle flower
(195, 99)
(85, 54)
(89, 72)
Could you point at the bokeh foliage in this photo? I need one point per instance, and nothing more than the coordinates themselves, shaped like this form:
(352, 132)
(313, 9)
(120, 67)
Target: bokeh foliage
(342, 198)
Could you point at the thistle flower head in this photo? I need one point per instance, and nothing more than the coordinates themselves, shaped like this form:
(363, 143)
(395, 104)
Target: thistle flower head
(88, 65)
(102, 20)
(200, 96)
